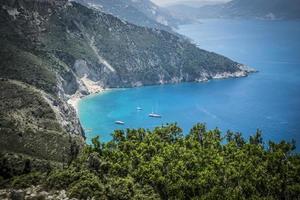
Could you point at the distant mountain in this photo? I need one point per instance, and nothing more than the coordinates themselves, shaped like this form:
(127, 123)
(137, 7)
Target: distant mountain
(139, 12)
(195, 3)
(260, 9)
(188, 11)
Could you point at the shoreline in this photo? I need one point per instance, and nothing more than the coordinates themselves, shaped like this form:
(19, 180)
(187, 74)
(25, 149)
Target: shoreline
(74, 99)
(95, 89)
(91, 87)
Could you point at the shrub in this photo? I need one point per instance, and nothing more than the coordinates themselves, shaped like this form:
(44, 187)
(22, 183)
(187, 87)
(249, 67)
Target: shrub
(27, 180)
(61, 179)
(88, 186)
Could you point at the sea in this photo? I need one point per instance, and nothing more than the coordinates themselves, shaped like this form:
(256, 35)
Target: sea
(268, 100)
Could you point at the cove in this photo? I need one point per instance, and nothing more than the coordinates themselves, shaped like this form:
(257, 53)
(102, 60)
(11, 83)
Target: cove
(268, 100)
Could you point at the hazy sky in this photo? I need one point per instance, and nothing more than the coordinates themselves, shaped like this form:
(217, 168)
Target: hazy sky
(165, 2)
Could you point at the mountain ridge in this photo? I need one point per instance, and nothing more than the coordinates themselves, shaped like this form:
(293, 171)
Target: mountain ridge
(257, 9)
(267, 9)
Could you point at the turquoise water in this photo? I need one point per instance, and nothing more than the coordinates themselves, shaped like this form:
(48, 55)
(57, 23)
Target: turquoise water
(268, 100)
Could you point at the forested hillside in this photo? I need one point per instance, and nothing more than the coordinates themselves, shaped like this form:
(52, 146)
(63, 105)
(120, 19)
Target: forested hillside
(164, 164)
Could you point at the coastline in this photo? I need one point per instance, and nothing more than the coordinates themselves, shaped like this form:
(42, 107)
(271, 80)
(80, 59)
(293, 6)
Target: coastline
(74, 101)
(94, 88)
(90, 87)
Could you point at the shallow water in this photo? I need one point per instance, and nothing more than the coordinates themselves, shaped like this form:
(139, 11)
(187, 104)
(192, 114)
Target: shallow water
(268, 100)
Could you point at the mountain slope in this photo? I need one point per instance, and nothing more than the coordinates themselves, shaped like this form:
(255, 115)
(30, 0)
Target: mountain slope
(54, 50)
(266, 9)
(124, 55)
(35, 119)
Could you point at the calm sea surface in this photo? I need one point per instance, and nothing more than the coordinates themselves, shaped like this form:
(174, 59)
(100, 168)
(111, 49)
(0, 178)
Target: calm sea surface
(268, 100)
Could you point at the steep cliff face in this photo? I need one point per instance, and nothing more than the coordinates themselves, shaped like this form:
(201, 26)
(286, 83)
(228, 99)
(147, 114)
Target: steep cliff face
(53, 50)
(35, 118)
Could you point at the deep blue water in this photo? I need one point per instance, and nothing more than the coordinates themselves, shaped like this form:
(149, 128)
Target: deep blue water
(268, 100)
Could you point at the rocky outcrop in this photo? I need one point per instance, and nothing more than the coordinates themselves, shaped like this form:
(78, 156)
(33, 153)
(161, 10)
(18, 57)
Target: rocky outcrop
(33, 193)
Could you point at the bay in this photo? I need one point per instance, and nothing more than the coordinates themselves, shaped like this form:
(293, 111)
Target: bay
(268, 100)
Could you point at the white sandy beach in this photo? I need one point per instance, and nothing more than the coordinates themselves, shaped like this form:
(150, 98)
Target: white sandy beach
(91, 86)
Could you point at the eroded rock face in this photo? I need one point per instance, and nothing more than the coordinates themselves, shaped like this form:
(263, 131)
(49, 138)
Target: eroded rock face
(81, 68)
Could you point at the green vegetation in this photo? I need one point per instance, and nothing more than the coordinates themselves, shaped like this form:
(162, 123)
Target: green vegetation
(26, 180)
(164, 164)
(29, 125)
(18, 64)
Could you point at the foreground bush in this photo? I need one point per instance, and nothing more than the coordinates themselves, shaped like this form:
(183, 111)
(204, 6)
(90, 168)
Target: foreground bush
(164, 164)
(27, 180)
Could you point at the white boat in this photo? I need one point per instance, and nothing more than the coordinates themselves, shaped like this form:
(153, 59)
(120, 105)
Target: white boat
(154, 115)
(139, 108)
(119, 122)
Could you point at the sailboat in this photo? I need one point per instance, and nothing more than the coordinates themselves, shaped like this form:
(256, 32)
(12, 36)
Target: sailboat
(154, 115)
(119, 122)
(139, 108)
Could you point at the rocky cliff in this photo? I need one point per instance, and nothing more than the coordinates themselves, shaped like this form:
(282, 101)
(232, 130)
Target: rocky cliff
(53, 50)
(36, 123)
